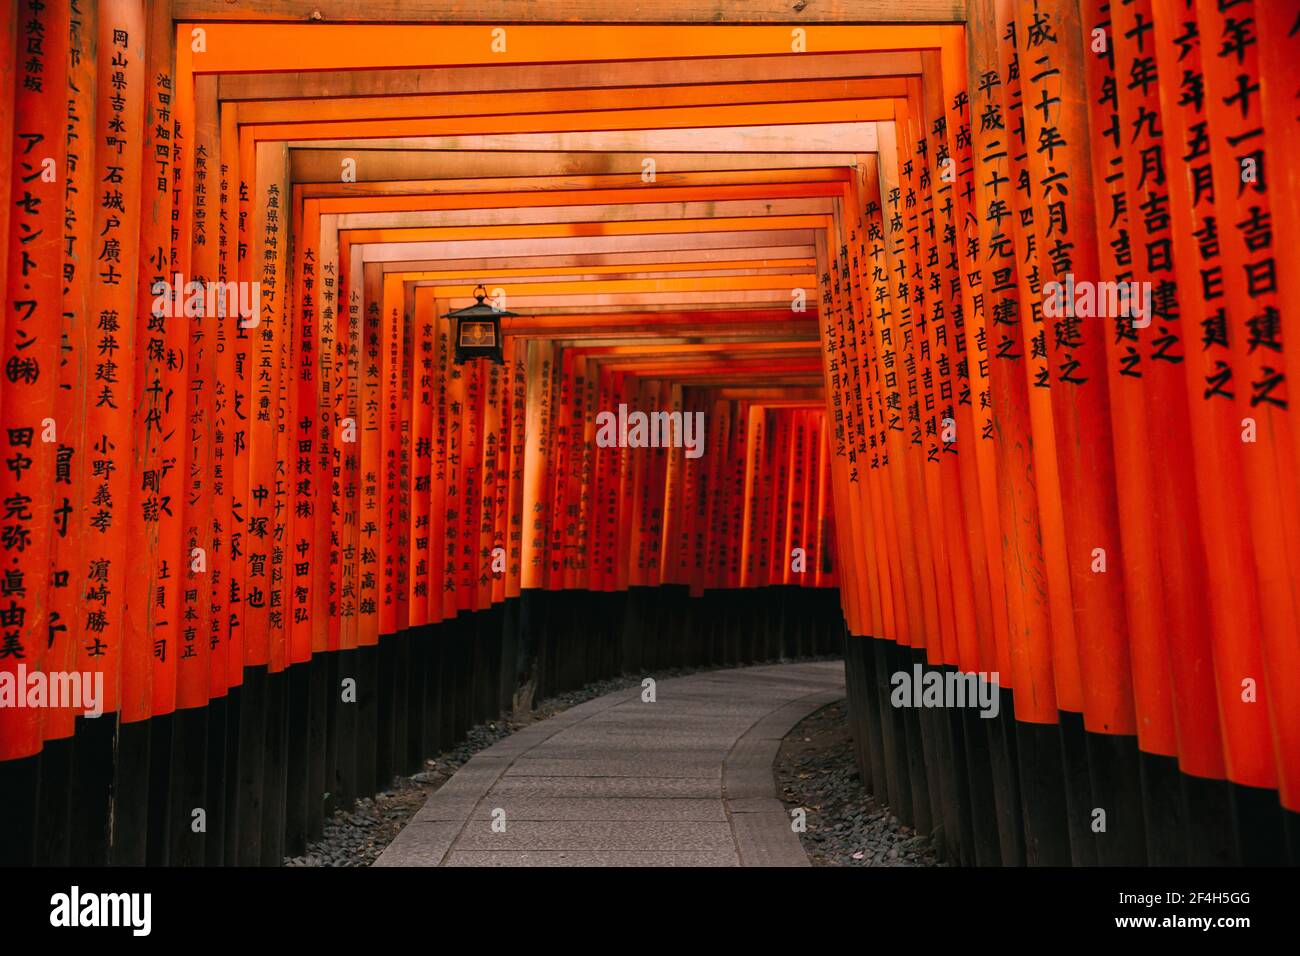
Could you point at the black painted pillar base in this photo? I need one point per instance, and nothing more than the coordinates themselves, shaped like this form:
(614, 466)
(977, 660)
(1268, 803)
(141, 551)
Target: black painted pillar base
(1042, 795)
(1291, 829)
(251, 767)
(986, 845)
(217, 782)
(298, 772)
(93, 745)
(20, 782)
(1164, 822)
(1079, 800)
(898, 787)
(386, 653)
(1117, 789)
(401, 703)
(54, 812)
(128, 838)
(158, 803)
(275, 771)
(417, 669)
(1257, 829)
(447, 684)
(367, 741)
(433, 694)
(320, 693)
(234, 716)
(1008, 800)
(463, 694)
(855, 697)
(188, 811)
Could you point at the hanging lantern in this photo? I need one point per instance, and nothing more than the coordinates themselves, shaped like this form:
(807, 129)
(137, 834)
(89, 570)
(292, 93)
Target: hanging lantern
(478, 330)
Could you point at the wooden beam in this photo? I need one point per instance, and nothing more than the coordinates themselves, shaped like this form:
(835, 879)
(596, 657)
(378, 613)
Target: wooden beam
(688, 351)
(773, 134)
(505, 198)
(634, 99)
(246, 47)
(721, 258)
(570, 337)
(314, 163)
(765, 298)
(781, 319)
(664, 227)
(509, 274)
(474, 247)
(542, 76)
(588, 313)
(458, 295)
(616, 212)
(603, 184)
(814, 115)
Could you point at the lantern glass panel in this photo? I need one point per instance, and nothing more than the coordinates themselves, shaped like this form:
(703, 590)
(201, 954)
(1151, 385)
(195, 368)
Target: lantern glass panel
(478, 334)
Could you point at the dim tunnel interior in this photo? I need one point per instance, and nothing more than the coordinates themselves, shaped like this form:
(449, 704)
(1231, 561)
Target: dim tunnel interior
(372, 376)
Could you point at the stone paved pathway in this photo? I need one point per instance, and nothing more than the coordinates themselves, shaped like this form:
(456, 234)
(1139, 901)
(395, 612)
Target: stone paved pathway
(616, 781)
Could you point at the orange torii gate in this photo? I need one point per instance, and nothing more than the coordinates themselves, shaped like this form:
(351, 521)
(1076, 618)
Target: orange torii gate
(892, 335)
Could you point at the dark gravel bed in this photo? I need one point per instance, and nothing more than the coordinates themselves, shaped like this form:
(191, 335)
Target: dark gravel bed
(815, 771)
(356, 836)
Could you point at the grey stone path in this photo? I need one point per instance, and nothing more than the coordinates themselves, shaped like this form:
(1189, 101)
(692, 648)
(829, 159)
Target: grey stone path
(683, 781)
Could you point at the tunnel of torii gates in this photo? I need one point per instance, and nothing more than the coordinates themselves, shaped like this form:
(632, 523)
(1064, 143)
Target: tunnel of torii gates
(301, 547)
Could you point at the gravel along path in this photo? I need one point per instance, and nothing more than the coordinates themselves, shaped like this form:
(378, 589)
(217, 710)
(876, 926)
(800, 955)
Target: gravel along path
(356, 836)
(815, 771)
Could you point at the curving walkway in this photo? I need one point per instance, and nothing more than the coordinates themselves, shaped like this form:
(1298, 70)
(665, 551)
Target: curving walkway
(683, 781)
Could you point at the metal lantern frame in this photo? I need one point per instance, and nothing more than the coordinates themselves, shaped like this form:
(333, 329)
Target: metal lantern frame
(477, 330)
